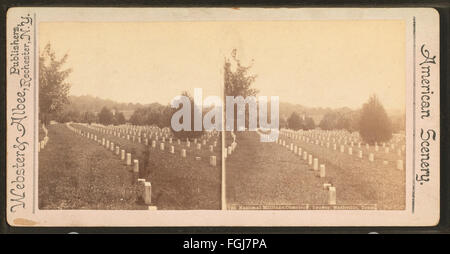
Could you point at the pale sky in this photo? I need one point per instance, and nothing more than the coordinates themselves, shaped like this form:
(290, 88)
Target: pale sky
(312, 63)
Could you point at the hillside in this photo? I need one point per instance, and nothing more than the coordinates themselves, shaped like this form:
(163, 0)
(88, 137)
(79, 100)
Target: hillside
(286, 109)
(85, 103)
(317, 113)
(95, 104)
(89, 103)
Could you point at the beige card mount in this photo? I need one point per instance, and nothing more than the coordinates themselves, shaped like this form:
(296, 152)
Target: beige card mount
(223, 117)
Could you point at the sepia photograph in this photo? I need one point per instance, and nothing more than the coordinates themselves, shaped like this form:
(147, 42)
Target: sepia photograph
(106, 140)
(341, 116)
(223, 117)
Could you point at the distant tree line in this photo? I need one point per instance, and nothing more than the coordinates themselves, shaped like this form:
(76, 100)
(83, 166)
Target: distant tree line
(297, 122)
(84, 103)
(106, 117)
(183, 134)
(371, 121)
(158, 115)
(340, 121)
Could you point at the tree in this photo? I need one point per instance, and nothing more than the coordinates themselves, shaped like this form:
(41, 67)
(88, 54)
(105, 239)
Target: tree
(340, 121)
(139, 117)
(183, 134)
(155, 114)
(294, 122)
(105, 116)
(329, 121)
(374, 123)
(53, 88)
(283, 122)
(165, 116)
(354, 120)
(238, 83)
(343, 123)
(89, 117)
(398, 124)
(68, 116)
(308, 123)
(119, 118)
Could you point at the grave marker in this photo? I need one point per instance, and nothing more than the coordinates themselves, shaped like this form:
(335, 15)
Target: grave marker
(332, 195)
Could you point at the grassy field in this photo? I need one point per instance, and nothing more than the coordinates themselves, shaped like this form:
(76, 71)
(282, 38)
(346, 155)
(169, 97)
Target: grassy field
(268, 173)
(75, 173)
(177, 183)
(265, 174)
(359, 180)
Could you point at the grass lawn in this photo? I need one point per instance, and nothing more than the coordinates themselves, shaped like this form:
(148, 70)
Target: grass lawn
(177, 183)
(75, 173)
(359, 181)
(268, 173)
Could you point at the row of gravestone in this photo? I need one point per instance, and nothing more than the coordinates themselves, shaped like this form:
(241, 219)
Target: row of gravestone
(162, 144)
(371, 156)
(124, 131)
(340, 134)
(144, 187)
(342, 137)
(148, 131)
(43, 143)
(313, 162)
(228, 150)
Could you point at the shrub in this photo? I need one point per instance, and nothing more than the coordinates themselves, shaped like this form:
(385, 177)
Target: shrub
(374, 124)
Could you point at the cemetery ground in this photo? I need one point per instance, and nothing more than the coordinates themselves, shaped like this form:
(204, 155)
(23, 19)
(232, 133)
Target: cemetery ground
(76, 172)
(260, 173)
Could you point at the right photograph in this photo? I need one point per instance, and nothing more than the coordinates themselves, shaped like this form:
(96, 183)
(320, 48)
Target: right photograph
(315, 115)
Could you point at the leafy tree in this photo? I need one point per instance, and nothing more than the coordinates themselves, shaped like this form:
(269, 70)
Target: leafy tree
(105, 116)
(343, 123)
(154, 114)
(295, 122)
(340, 121)
(89, 117)
(238, 82)
(139, 117)
(119, 118)
(329, 121)
(354, 117)
(398, 124)
(165, 116)
(374, 123)
(183, 134)
(68, 116)
(308, 123)
(53, 88)
(283, 122)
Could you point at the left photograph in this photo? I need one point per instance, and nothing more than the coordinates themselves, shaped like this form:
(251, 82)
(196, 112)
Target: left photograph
(108, 93)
